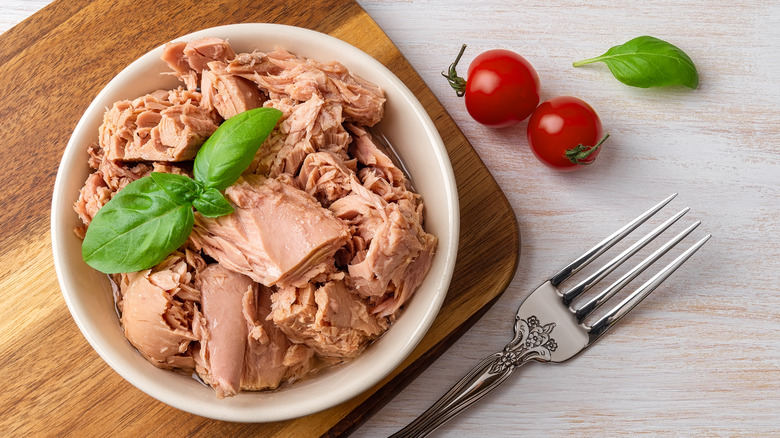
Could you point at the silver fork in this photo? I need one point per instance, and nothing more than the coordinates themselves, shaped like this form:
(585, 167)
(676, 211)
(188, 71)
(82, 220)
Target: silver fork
(549, 328)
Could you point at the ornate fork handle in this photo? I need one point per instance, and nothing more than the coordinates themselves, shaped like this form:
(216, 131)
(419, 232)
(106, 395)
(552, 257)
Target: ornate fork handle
(556, 308)
(475, 385)
(532, 341)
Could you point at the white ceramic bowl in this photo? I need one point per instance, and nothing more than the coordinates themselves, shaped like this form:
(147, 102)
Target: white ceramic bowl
(88, 292)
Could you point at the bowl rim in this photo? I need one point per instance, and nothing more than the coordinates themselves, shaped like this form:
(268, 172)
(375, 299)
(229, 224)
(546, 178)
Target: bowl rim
(350, 390)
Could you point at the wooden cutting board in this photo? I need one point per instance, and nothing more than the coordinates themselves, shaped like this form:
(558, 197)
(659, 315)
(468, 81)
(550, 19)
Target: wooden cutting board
(51, 66)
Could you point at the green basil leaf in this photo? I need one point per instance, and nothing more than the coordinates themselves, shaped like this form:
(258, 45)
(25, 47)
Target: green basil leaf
(211, 203)
(180, 188)
(230, 150)
(153, 216)
(136, 229)
(646, 62)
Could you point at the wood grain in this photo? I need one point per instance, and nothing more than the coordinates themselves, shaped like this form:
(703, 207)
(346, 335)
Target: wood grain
(55, 383)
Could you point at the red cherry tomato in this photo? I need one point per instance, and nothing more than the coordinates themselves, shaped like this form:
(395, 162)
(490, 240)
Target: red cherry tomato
(502, 87)
(565, 133)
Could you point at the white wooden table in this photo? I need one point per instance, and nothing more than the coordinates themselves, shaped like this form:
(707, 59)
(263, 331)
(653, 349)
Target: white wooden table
(701, 356)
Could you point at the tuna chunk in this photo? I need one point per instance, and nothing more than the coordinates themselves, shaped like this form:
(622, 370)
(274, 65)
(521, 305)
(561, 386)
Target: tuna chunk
(270, 63)
(240, 348)
(381, 176)
(278, 234)
(331, 320)
(224, 344)
(200, 52)
(299, 360)
(173, 55)
(393, 246)
(117, 174)
(161, 126)
(227, 94)
(298, 130)
(265, 362)
(158, 306)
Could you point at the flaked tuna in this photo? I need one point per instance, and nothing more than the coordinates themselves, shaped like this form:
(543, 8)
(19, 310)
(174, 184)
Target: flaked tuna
(396, 243)
(390, 252)
(161, 126)
(92, 197)
(325, 176)
(277, 234)
(331, 320)
(299, 130)
(305, 128)
(406, 281)
(173, 55)
(367, 153)
(363, 210)
(300, 360)
(284, 74)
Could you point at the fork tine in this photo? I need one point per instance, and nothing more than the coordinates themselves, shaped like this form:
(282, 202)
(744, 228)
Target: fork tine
(625, 306)
(383, 144)
(583, 260)
(615, 287)
(597, 276)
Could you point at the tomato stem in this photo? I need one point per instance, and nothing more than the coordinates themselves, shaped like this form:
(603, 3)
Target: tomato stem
(456, 82)
(580, 153)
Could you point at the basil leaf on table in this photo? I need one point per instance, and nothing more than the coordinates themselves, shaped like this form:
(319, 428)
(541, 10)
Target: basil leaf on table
(136, 229)
(211, 203)
(646, 62)
(230, 150)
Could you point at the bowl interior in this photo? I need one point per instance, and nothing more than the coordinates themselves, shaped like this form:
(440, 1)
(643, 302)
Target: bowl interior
(88, 292)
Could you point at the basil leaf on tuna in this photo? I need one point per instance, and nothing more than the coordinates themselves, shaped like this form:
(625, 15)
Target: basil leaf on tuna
(646, 62)
(151, 217)
(230, 150)
(180, 188)
(211, 203)
(137, 229)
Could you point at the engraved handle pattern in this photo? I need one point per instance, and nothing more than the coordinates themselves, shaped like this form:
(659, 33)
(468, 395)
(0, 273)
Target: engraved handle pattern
(532, 341)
